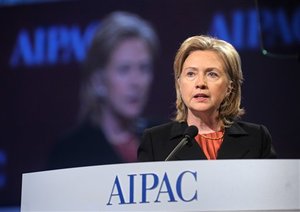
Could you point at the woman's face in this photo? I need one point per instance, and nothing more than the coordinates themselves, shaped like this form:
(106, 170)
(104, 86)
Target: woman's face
(128, 77)
(203, 83)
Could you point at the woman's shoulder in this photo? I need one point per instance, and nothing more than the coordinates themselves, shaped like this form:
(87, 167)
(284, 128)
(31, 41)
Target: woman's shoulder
(168, 126)
(248, 127)
(162, 126)
(246, 124)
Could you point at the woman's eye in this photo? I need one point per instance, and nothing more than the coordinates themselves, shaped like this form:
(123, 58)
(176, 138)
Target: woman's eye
(190, 74)
(212, 74)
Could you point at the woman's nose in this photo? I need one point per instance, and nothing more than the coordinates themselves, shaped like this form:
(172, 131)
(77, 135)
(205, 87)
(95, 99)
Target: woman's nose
(201, 82)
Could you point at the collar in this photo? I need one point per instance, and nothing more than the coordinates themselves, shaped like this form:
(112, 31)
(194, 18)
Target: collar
(178, 129)
(235, 129)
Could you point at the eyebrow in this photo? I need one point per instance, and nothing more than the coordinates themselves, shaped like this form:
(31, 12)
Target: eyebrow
(206, 69)
(193, 68)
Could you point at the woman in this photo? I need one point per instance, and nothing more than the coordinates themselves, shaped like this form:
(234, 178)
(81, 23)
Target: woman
(117, 77)
(208, 80)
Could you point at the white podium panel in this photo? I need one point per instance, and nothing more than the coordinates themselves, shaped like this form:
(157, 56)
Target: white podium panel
(222, 185)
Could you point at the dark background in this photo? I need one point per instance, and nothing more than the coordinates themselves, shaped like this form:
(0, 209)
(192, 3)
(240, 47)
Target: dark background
(39, 101)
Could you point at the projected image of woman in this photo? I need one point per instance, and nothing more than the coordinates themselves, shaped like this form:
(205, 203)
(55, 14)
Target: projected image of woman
(117, 78)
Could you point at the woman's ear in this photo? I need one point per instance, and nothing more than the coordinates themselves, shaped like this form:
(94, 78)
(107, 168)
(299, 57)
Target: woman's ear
(229, 88)
(178, 84)
(98, 84)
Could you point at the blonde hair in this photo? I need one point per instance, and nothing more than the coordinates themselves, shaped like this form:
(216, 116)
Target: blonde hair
(230, 107)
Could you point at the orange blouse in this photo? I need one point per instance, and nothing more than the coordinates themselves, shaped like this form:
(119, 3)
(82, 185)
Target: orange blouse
(210, 143)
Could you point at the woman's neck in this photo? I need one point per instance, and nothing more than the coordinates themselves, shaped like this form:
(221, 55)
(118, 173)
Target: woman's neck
(116, 129)
(206, 123)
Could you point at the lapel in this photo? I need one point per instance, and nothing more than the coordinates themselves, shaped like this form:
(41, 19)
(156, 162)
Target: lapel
(188, 152)
(232, 146)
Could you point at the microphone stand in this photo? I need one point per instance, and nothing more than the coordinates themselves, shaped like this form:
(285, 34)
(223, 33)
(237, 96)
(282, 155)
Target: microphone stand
(179, 146)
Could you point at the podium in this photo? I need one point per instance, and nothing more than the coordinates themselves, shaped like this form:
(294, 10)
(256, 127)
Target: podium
(219, 185)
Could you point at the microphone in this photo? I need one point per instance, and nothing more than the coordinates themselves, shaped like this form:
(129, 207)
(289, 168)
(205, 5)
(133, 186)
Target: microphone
(189, 133)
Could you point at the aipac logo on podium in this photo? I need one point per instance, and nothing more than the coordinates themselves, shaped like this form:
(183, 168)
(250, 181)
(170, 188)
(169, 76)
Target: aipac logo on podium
(153, 188)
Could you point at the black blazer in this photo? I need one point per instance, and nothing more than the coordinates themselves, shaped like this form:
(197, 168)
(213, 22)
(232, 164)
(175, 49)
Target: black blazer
(242, 140)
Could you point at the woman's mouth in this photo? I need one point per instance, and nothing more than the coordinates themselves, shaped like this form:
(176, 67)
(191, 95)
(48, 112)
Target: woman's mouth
(201, 97)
